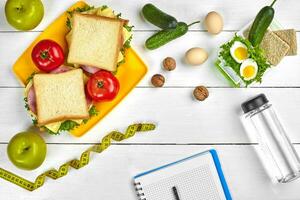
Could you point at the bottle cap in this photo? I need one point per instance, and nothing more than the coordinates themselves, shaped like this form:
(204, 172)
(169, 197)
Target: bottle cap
(254, 103)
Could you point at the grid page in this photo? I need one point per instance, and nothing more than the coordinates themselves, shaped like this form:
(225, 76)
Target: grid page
(194, 179)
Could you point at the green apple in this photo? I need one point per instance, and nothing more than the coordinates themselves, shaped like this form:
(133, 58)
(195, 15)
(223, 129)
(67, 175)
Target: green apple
(24, 14)
(27, 150)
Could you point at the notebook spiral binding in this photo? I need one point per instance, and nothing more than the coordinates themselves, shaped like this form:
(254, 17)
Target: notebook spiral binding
(139, 191)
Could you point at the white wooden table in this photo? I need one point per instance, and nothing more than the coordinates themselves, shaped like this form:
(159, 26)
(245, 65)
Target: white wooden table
(184, 126)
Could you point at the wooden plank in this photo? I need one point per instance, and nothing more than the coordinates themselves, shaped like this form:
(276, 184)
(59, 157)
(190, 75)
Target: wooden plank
(179, 118)
(109, 176)
(285, 74)
(235, 13)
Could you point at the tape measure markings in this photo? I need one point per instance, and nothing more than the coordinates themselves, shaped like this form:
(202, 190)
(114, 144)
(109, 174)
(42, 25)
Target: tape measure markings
(76, 164)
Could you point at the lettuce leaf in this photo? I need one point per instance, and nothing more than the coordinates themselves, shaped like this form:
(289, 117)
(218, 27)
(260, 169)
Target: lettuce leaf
(69, 125)
(78, 10)
(92, 112)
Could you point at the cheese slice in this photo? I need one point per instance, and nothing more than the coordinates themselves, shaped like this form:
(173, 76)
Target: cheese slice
(106, 12)
(120, 57)
(78, 121)
(126, 34)
(54, 127)
(28, 86)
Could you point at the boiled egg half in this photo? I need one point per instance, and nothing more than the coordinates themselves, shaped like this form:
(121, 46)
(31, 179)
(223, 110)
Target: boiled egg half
(239, 51)
(248, 69)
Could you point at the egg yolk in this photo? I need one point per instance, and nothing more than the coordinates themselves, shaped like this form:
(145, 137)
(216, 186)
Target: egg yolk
(241, 53)
(248, 71)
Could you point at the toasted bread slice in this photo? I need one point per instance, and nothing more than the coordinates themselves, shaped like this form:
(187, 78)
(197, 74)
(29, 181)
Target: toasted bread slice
(95, 41)
(275, 48)
(289, 36)
(60, 97)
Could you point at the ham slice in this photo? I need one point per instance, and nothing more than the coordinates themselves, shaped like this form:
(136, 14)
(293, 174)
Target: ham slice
(61, 69)
(90, 69)
(31, 100)
(89, 101)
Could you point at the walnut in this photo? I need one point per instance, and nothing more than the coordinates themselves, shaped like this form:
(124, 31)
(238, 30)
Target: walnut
(200, 93)
(169, 64)
(158, 80)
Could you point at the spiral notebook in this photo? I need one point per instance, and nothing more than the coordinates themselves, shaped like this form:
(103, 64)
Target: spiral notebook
(196, 177)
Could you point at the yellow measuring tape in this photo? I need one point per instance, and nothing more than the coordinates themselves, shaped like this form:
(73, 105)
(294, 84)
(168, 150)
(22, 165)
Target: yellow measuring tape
(77, 164)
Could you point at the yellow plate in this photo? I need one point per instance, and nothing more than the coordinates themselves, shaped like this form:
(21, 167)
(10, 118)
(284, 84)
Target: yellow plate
(129, 74)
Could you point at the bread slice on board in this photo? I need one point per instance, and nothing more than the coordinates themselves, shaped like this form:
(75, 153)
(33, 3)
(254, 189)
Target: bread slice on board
(60, 97)
(289, 36)
(95, 41)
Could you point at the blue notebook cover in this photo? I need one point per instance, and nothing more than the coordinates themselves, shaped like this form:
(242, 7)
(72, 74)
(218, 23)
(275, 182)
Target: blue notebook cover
(138, 178)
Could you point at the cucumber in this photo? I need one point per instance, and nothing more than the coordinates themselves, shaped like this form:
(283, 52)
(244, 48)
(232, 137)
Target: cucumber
(158, 17)
(164, 36)
(260, 25)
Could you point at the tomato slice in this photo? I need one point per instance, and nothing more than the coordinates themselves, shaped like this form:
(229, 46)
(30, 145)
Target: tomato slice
(103, 86)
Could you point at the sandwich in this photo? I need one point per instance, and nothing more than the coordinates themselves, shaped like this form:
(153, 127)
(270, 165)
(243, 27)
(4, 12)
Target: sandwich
(97, 39)
(61, 99)
(57, 102)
